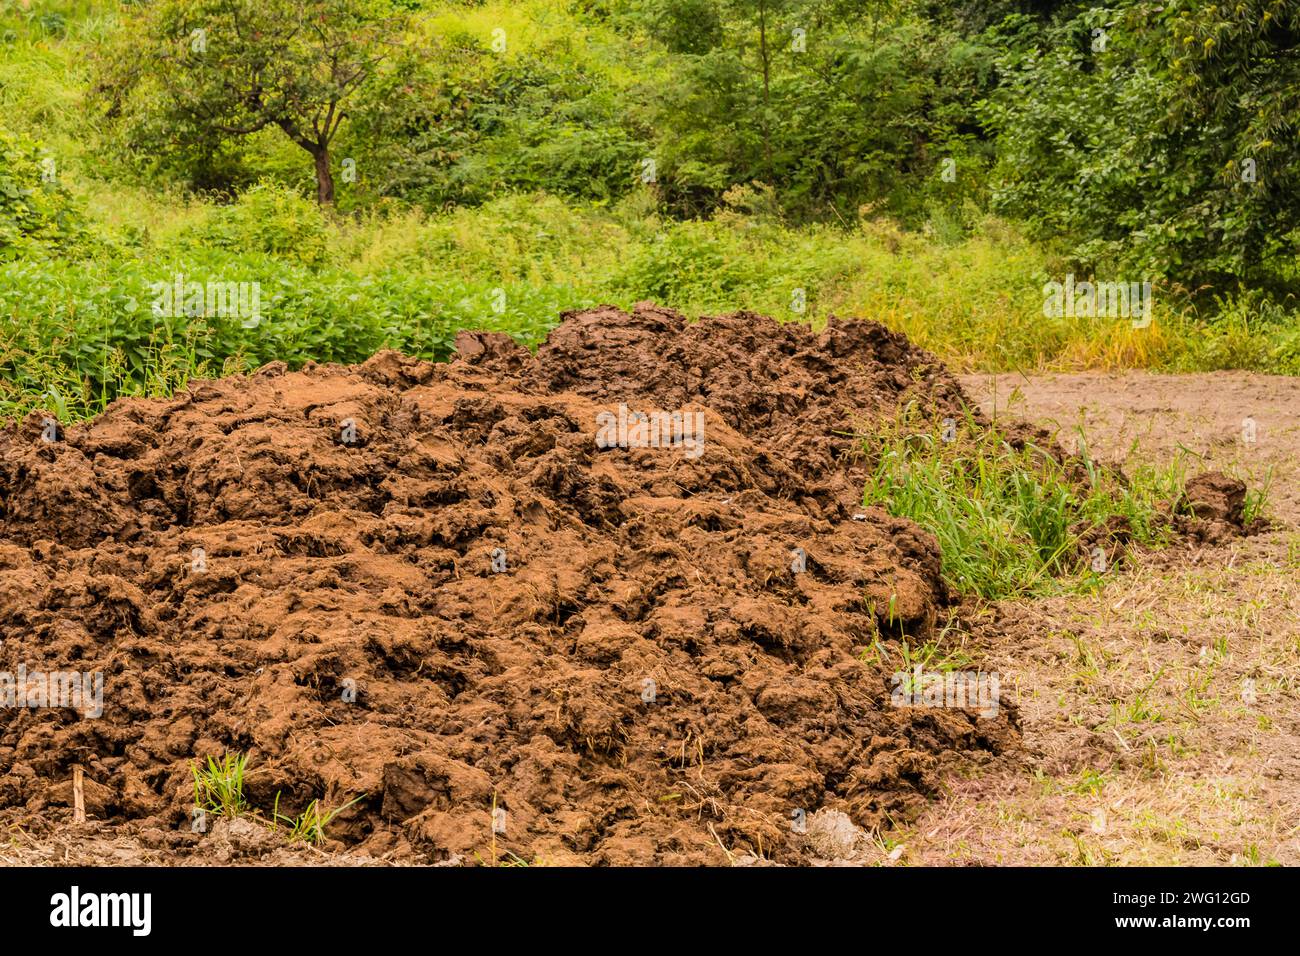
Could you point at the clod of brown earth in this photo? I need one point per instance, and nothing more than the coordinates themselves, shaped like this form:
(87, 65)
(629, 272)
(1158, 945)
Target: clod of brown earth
(232, 838)
(1214, 496)
(1215, 504)
(832, 835)
(427, 586)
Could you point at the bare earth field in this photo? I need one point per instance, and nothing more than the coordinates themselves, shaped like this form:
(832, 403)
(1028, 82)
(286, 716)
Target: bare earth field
(1158, 716)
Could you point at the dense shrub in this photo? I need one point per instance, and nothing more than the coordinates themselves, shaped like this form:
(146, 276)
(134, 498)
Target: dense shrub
(37, 214)
(1160, 138)
(270, 219)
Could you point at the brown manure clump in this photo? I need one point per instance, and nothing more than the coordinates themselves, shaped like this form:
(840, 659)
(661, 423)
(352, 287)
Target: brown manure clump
(486, 585)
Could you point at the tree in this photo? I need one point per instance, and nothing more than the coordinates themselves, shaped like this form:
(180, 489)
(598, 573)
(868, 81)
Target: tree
(1162, 137)
(830, 108)
(761, 17)
(201, 73)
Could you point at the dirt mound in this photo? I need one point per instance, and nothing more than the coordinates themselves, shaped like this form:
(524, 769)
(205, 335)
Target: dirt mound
(799, 395)
(1215, 505)
(486, 584)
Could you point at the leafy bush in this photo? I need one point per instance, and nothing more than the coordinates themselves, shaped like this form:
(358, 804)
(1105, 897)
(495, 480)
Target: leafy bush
(1156, 137)
(269, 219)
(853, 116)
(687, 262)
(461, 124)
(37, 215)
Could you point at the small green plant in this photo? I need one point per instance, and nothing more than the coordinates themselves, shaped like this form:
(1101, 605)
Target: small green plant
(309, 826)
(1090, 782)
(1140, 709)
(928, 657)
(1256, 503)
(219, 787)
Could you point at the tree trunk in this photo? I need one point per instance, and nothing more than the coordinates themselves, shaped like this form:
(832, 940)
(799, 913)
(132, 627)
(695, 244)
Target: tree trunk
(324, 178)
(767, 91)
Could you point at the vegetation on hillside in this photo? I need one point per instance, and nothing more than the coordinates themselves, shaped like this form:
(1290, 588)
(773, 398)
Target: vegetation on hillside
(386, 172)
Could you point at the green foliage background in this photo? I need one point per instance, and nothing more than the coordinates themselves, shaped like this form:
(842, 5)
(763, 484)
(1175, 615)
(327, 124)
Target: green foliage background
(927, 165)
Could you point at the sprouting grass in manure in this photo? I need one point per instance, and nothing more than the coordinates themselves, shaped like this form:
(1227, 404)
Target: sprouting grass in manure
(309, 826)
(219, 787)
(1011, 519)
(929, 656)
(1257, 499)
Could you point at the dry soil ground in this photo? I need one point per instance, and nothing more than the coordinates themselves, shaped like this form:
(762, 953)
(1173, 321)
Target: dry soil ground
(1159, 715)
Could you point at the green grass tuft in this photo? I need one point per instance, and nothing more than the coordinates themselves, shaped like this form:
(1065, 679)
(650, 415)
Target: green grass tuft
(219, 787)
(1012, 521)
(309, 826)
